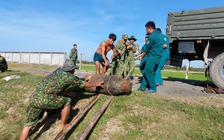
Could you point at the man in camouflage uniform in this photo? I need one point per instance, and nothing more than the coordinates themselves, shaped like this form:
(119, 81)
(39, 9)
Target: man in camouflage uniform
(74, 54)
(119, 60)
(50, 94)
(3, 64)
(131, 49)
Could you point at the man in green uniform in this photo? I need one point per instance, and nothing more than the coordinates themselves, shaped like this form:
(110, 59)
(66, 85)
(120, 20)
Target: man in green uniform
(3, 64)
(50, 94)
(131, 50)
(154, 50)
(119, 60)
(143, 61)
(74, 54)
(165, 56)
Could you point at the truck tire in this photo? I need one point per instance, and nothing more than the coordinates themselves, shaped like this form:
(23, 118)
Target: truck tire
(216, 71)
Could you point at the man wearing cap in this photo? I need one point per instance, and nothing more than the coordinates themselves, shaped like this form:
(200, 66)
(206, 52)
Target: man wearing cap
(130, 58)
(50, 94)
(74, 54)
(3, 64)
(101, 52)
(153, 49)
(119, 60)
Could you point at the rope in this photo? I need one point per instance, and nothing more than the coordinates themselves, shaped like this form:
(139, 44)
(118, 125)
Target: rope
(108, 86)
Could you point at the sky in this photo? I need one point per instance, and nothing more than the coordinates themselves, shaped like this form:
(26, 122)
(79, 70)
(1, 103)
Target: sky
(55, 25)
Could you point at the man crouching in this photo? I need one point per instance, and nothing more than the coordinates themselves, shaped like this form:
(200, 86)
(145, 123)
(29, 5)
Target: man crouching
(49, 95)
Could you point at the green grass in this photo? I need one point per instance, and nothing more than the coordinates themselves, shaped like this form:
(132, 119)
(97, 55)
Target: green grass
(88, 67)
(136, 116)
(165, 73)
(182, 75)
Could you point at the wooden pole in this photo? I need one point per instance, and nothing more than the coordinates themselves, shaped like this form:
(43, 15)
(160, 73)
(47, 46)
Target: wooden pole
(62, 133)
(187, 68)
(85, 133)
(80, 61)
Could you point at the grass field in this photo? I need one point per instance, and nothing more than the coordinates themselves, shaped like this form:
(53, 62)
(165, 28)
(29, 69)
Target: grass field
(137, 116)
(165, 73)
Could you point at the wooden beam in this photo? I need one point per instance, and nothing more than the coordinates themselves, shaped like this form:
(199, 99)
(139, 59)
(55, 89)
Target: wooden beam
(75, 120)
(85, 133)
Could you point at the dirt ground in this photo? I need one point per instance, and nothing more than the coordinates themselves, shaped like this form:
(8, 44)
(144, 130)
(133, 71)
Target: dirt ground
(175, 87)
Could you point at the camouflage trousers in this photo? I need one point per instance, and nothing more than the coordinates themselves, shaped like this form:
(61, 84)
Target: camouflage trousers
(113, 67)
(40, 102)
(74, 61)
(121, 68)
(130, 67)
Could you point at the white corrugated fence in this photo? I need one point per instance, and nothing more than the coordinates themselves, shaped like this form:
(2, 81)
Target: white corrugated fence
(47, 58)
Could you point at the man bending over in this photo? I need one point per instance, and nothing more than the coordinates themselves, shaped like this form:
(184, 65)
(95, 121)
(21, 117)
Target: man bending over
(51, 94)
(101, 52)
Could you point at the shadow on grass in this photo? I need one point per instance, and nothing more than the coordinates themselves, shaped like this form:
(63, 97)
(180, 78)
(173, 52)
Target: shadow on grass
(9, 72)
(67, 136)
(53, 115)
(187, 81)
(191, 82)
(91, 125)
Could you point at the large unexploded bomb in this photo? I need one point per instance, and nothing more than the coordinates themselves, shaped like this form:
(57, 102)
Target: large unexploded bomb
(113, 85)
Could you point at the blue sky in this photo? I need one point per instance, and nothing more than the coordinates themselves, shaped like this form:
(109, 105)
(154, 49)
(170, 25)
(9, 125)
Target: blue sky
(55, 25)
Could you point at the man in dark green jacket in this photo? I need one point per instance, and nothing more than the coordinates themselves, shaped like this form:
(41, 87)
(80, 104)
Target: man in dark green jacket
(74, 54)
(165, 57)
(154, 50)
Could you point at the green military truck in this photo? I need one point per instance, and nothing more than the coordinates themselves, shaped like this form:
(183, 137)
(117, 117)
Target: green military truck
(198, 35)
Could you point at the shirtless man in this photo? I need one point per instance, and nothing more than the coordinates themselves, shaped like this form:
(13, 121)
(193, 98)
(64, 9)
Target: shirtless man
(101, 52)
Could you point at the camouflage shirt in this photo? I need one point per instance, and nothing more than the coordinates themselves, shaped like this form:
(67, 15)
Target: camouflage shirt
(73, 54)
(130, 53)
(121, 47)
(57, 82)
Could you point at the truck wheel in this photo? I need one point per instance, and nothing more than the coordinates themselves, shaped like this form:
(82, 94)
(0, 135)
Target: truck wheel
(216, 71)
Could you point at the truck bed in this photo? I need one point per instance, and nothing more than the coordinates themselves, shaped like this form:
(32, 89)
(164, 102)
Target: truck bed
(196, 24)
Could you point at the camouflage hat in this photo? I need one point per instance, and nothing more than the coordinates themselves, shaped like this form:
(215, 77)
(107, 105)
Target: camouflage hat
(125, 36)
(69, 65)
(132, 37)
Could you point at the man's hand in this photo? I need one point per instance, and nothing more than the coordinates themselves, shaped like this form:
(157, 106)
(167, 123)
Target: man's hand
(99, 83)
(112, 57)
(106, 63)
(88, 77)
(129, 47)
(140, 58)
